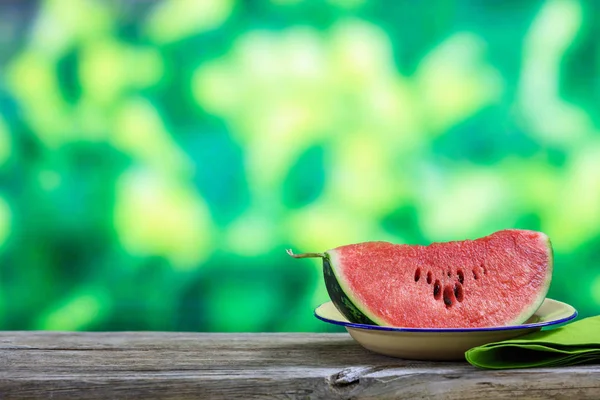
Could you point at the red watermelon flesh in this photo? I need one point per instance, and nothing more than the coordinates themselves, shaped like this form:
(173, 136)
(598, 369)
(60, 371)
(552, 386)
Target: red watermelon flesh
(497, 280)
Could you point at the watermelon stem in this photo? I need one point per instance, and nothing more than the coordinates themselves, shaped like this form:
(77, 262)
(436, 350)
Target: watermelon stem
(305, 255)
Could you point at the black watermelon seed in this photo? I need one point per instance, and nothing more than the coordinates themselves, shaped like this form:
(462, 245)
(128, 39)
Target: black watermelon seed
(461, 276)
(437, 289)
(448, 292)
(458, 292)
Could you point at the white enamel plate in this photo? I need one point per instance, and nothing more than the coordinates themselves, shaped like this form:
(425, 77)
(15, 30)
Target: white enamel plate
(441, 343)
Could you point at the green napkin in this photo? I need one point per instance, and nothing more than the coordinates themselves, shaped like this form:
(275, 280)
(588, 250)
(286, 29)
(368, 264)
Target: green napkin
(575, 343)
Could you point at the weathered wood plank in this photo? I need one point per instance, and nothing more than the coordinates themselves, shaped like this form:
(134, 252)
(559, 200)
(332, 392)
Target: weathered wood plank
(250, 366)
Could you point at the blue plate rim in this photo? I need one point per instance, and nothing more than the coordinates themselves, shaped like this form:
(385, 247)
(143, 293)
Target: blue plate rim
(447, 330)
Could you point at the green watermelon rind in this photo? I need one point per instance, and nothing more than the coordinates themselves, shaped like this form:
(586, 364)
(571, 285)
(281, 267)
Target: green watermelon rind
(341, 296)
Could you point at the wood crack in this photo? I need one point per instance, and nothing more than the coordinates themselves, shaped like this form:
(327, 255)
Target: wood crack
(352, 375)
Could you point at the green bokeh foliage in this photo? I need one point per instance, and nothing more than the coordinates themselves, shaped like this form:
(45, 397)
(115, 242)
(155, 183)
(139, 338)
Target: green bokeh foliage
(158, 157)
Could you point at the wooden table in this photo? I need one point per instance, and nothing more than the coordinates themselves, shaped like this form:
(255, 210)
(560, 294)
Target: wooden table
(141, 365)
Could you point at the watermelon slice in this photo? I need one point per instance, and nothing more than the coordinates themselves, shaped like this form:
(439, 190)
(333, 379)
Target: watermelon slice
(496, 280)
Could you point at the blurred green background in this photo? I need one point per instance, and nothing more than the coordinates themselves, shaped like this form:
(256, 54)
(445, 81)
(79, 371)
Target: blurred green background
(158, 157)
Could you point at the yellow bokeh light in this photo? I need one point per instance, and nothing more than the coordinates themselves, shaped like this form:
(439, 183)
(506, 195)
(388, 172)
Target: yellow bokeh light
(5, 221)
(172, 20)
(138, 122)
(76, 312)
(157, 215)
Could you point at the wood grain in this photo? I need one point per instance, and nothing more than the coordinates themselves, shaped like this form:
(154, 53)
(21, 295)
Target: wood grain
(143, 365)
